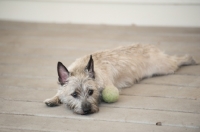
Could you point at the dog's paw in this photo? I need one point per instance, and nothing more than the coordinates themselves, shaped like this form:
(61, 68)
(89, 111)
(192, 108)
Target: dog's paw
(190, 60)
(51, 102)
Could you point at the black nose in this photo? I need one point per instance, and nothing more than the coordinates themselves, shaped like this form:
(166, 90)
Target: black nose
(87, 111)
(86, 107)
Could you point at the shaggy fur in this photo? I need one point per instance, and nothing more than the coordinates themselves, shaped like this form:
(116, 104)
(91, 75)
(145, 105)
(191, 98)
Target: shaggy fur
(82, 83)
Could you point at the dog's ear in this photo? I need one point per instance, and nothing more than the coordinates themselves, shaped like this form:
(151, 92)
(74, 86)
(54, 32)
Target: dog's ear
(90, 68)
(63, 73)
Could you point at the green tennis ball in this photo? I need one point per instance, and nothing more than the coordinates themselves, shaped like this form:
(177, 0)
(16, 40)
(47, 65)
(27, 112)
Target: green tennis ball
(110, 94)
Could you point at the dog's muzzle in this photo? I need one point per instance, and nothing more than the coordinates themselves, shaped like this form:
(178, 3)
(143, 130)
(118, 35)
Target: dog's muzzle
(86, 107)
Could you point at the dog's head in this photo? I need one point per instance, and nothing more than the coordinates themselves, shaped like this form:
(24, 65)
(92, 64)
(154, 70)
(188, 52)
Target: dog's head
(78, 89)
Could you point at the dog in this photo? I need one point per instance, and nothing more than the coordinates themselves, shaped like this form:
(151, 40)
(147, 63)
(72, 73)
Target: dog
(82, 83)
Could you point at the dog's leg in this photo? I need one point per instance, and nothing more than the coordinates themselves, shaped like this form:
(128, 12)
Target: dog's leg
(54, 101)
(109, 84)
(169, 64)
(63, 74)
(185, 60)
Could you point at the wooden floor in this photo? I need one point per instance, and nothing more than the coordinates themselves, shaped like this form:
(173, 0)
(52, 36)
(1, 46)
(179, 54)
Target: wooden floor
(28, 57)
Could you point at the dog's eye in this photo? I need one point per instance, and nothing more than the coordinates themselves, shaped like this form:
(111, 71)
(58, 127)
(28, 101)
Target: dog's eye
(90, 92)
(75, 94)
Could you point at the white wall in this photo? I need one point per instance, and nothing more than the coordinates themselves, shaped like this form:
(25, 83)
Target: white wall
(181, 13)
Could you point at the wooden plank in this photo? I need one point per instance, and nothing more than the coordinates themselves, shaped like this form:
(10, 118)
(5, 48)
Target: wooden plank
(43, 53)
(29, 81)
(129, 102)
(106, 114)
(180, 47)
(68, 50)
(189, 70)
(91, 29)
(98, 44)
(177, 80)
(165, 91)
(14, 25)
(36, 60)
(32, 70)
(8, 129)
(31, 42)
(90, 35)
(151, 103)
(26, 93)
(26, 122)
(65, 44)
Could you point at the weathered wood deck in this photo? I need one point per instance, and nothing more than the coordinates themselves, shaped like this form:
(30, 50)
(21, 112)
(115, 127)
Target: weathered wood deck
(28, 57)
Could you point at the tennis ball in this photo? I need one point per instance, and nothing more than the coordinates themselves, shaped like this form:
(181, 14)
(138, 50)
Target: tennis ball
(110, 94)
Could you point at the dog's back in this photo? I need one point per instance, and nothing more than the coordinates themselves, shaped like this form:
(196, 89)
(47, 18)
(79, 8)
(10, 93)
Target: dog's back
(124, 65)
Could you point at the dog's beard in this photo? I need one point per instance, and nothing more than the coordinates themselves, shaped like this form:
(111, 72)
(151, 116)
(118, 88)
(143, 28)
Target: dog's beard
(75, 104)
(77, 107)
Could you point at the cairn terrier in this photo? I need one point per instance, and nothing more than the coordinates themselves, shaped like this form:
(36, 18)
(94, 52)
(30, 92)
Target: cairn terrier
(81, 84)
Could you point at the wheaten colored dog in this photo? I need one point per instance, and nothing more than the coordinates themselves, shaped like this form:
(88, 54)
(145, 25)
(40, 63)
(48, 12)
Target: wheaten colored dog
(82, 83)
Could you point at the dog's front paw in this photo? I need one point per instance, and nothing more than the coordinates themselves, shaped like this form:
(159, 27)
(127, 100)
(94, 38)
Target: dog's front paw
(52, 102)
